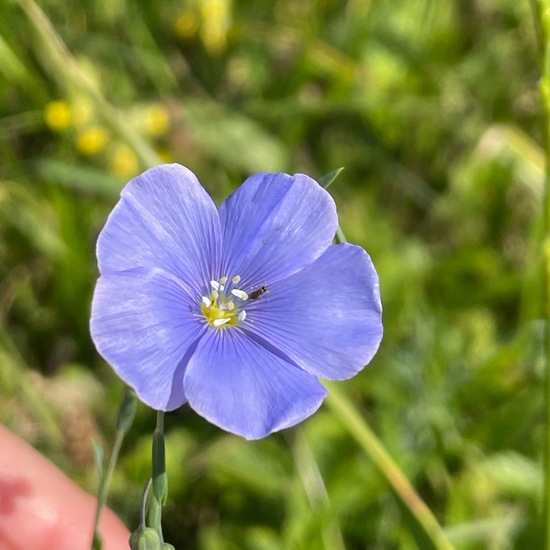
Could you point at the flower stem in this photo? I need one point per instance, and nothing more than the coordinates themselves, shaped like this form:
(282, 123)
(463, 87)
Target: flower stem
(124, 421)
(159, 477)
(397, 479)
(326, 181)
(104, 489)
(316, 491)
(62, 65)
(373, 446)
(143, 514)
(545, 272)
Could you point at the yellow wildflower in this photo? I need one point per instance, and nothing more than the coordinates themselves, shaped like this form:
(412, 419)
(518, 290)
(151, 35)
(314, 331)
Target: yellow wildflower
(58, 115)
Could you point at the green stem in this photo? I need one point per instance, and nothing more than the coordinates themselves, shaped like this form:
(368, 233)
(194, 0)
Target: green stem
(158, 476)
(314, 486)
(143, 515)
(160, 482)
(124, 421)
(378, 454)
(545, 93)
(104, 489)
(160, 422)
(374, 448)
(57, 58)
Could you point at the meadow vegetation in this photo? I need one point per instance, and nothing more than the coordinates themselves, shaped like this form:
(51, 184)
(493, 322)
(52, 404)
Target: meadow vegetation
(433, 109)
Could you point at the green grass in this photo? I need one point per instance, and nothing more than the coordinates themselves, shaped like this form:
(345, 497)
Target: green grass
(432, 108)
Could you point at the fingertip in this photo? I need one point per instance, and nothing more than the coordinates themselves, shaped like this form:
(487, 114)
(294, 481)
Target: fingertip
(41, 508)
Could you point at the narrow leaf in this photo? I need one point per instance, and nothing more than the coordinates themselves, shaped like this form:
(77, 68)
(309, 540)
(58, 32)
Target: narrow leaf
(327, 180)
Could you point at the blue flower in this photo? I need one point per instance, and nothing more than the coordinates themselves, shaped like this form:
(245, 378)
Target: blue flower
(237, 311)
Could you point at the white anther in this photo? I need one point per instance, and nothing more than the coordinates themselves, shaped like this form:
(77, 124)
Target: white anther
(215, 294)
(206, 301)
(219, 322)
(223, 280)
(230, 305)
(215, 285)
(236, 279)
(242, 315)
(241, 294)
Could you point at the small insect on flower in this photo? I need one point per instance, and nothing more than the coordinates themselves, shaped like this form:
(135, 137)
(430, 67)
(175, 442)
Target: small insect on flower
(255, 294)
(171, 315)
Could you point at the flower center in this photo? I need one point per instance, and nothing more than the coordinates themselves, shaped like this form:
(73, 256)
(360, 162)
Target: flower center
(223, 307)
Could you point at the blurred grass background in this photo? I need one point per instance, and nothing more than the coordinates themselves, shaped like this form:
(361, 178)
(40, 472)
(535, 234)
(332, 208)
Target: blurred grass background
(432, 108)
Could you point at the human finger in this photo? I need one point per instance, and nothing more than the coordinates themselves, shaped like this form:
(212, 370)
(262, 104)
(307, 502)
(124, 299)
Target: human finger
(42, 509)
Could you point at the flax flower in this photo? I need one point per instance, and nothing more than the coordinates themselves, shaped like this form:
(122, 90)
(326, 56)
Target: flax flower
(237, 311)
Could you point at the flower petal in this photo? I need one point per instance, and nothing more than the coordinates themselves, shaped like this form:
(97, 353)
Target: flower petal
(144, 323)
(327, 317)
(274, 225)
(164, 219)
(241, 387)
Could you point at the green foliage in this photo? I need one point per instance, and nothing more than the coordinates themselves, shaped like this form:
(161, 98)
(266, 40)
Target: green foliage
(432, 109)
